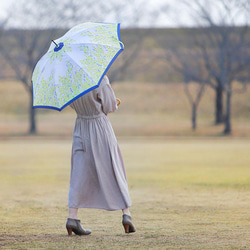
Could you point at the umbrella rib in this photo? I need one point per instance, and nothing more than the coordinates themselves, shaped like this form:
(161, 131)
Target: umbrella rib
(56, 90)
(77, 31)
(43, 66)
(97, 44)
(96, 25)
(78, 64)
(68, 32)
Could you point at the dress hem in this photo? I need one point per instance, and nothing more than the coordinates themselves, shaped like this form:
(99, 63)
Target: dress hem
(107, 209)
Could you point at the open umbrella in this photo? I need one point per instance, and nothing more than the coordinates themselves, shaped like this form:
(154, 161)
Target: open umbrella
(75, 64)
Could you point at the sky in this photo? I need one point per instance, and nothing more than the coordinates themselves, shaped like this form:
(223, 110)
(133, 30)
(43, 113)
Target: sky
(3, 5)
(177, 16)
(164, 21)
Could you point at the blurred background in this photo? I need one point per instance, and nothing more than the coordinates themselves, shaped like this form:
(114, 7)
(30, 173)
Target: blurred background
(183, 125)
(184, 70)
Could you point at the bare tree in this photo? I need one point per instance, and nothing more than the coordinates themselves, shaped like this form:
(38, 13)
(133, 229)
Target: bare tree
(132, 13)
(224, 46)
(21, 49)
(25, 45)
(194, 101)
(36, 22)
(189, 66)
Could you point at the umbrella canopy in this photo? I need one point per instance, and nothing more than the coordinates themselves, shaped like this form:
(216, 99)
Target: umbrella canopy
(75, 64)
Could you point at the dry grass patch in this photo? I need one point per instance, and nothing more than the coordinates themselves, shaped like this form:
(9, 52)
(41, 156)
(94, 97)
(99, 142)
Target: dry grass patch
(147, 109)
(186, 194)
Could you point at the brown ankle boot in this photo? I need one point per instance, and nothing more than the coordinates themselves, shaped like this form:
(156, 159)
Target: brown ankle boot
(75, 226)
(128, 224)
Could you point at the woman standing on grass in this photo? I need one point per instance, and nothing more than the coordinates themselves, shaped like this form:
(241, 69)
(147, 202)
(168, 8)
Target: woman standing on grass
(98, 177)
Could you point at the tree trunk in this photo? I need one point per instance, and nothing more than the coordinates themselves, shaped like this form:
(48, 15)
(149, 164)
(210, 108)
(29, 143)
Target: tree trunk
(219, 105)
(32, 115)
(227, 129)
(194, 111)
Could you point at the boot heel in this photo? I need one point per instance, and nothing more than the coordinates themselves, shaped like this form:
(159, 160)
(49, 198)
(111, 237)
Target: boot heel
(126, 227)
(69, 231)
(128, 224)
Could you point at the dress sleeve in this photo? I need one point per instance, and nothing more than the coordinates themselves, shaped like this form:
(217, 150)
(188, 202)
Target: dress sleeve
(107, 96)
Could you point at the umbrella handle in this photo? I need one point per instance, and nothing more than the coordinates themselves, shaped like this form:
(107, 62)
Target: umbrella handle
(118, 101)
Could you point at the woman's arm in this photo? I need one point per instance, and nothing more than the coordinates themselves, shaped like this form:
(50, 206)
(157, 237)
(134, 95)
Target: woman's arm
(107, 97)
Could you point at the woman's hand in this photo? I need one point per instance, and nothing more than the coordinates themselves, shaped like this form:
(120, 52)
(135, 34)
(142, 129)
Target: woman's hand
(118, 101)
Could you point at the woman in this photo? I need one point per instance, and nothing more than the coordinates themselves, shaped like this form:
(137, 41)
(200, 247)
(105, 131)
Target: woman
(98, 177)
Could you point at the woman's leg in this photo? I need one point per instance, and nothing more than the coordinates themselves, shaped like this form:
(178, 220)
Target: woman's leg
(126, 211)
(73, 212)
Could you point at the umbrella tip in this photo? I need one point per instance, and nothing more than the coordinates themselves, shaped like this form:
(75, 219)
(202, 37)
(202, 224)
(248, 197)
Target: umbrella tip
(55, 43)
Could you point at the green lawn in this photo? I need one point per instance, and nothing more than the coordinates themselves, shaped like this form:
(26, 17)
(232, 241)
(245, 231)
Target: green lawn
(186, 194)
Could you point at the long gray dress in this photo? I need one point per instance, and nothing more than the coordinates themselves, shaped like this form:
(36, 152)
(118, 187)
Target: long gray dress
(98, 178)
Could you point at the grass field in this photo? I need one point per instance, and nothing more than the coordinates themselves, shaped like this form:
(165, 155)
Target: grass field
(186, 194)
(190, 189)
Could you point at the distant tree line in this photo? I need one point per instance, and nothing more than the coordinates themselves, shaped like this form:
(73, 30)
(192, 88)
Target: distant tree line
(215, 54)
(220, 56)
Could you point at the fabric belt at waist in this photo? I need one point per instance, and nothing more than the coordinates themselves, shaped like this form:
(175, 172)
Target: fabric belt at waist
(90, 117)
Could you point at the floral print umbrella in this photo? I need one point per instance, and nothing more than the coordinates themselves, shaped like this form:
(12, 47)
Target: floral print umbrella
(75, 64)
